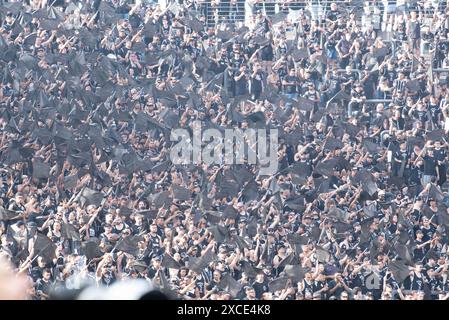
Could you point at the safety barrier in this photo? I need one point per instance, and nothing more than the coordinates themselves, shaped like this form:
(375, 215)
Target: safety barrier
(222, 10)
(376, 101)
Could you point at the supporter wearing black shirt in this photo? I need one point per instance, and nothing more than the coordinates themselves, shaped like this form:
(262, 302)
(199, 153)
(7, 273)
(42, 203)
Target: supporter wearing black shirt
(241, 81)
(267, 53)
(414, 30)
(107, 276)
(154, 267)
(435, 111)
(337, 285)
(401, 157)
(306, 286)
(139, 226)
(389, 72)
(421, 248)
(154, 240)
(398, 120)
(44, 284)
(250, 293)
(215, 281)
(347, 79)
(256, 82)
(416, 280)
(332, 14)
(281, 48)
(249, 50)
(8, 22)
(441, 159)
(430, 164)
(419, 112)
(107, 237)
(427, 229)
(357, 99)
(16, 204)
(260, 285)
(229, 82)
(290, 84)
(343, 48)
(236, 61)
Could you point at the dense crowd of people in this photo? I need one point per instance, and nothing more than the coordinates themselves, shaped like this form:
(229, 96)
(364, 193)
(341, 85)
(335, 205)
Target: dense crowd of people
(357, 209)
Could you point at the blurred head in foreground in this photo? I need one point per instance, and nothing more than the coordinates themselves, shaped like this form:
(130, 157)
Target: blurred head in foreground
(13, 286)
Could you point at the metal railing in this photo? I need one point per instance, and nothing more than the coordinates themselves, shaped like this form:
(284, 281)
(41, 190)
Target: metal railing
(441, 70)
(376, 101)
(359, 73)
(218, 11)
(222, 10)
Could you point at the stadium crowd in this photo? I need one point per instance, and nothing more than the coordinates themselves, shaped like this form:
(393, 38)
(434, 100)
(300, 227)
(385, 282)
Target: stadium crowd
(357, 210)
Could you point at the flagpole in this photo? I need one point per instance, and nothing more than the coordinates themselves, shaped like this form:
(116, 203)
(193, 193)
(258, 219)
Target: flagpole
(42, 250)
